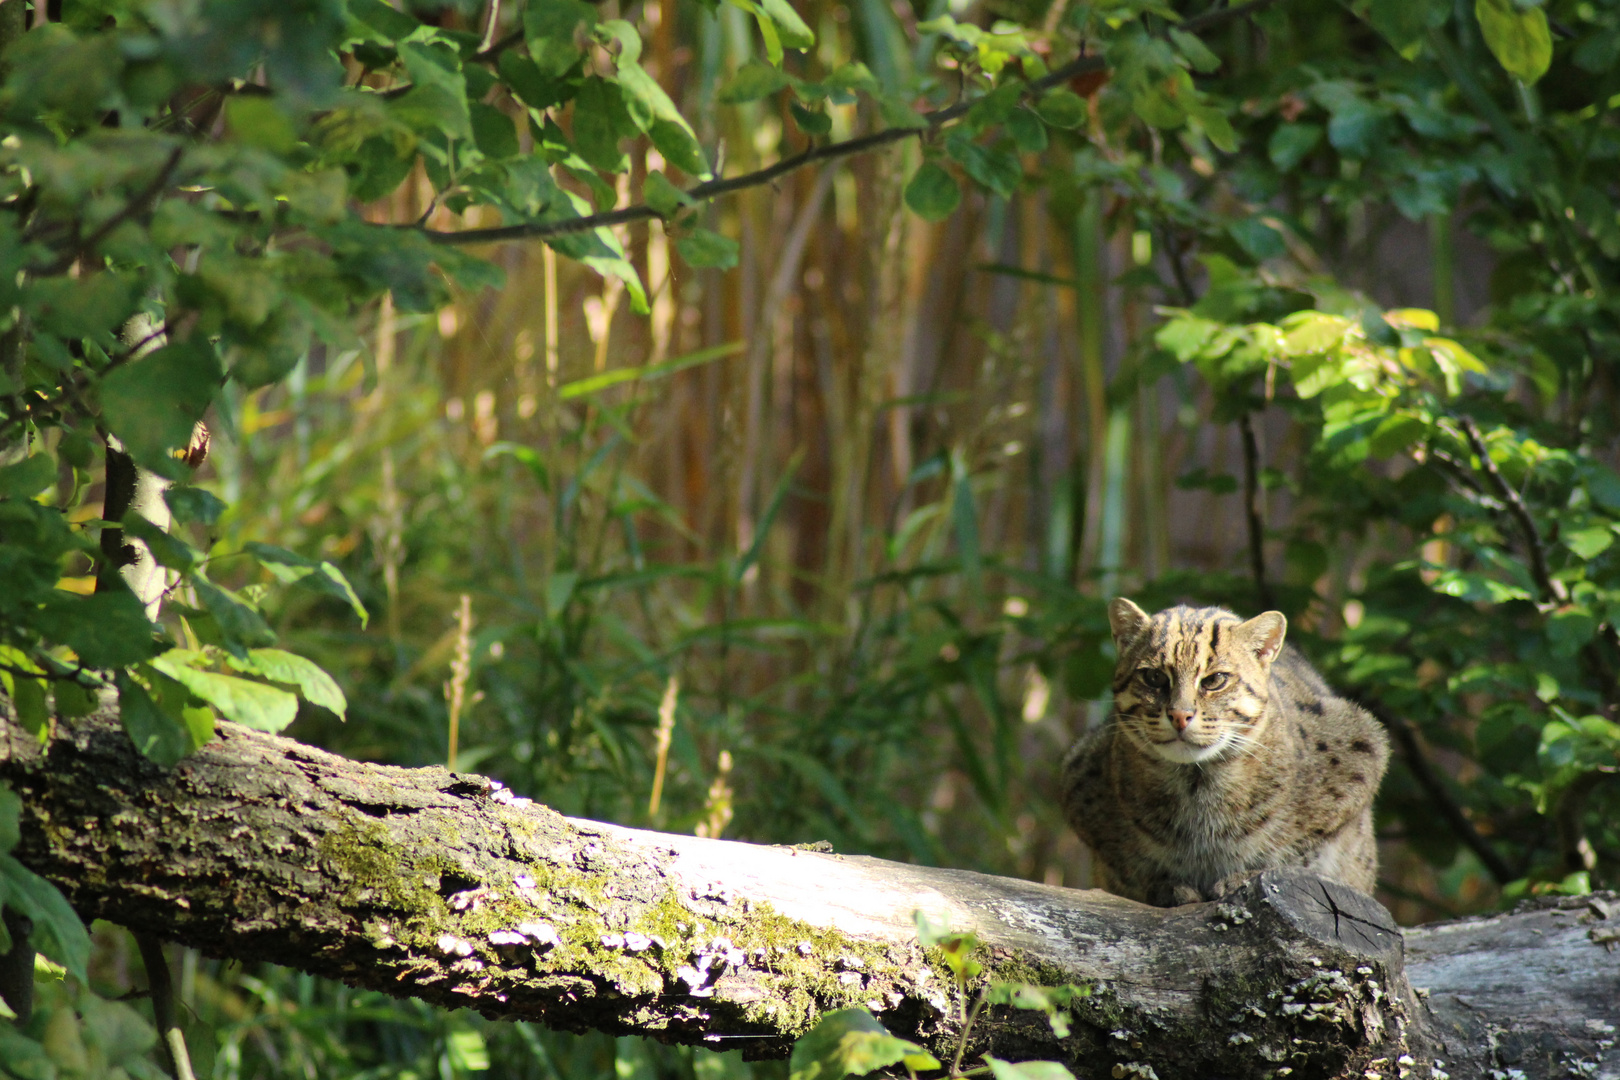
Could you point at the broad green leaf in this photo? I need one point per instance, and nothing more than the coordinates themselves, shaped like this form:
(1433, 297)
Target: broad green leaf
(993, 107)
(850, 1042)
(290, 567)
(1062, 109)
(1197, 53)
(650, 107)
(493, 131)
(158, 733)
(27, 477)
(152, 403)
(387, 20)
(1590, 542)
(192, 505)
(663, 196)
(167, 550)
(314, 684)
(789, 27)
(537, 89)
(25, 1059)
(258, 121)
(702, 247)
(1027, 132)
(810, 121)
(251, 704)
(1291, 142)
(467, 1051)
(995, 167)
(437, 100)
(1517, 36)
(600, 122)
(550, 28)
(1027, 1070)
(932, 193)
(752, 81)
(242, 627)
(106, 629)
(59, 933)
(10, 817)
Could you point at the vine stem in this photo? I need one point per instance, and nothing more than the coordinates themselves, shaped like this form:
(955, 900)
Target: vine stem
(162, 990)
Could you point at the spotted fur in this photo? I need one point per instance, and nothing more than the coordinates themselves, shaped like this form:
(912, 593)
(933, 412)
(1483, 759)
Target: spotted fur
(1226, 754)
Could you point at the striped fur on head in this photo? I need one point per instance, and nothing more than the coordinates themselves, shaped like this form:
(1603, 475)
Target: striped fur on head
(1192, 684)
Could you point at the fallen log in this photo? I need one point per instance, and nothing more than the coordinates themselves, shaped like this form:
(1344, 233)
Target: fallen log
(449, 888)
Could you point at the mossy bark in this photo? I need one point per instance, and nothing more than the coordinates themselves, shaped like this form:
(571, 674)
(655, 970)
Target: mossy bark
(443, 886)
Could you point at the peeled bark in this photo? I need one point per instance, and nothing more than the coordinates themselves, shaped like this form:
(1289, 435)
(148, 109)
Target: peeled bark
(446, 887)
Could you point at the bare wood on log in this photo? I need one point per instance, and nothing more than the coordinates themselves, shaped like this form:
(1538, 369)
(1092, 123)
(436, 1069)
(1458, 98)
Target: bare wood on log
(442, 886)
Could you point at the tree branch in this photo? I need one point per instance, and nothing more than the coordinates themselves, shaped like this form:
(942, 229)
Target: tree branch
(827, 152)
(1253, 517)
(1536, 548)
(1429, 779)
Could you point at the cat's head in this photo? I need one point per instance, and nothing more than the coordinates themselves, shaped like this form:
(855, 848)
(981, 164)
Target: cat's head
(1192, 683)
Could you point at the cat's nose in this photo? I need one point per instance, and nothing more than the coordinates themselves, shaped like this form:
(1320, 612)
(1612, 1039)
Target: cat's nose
(1181, 718)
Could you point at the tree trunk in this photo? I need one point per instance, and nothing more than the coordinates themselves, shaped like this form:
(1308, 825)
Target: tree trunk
(444, 886)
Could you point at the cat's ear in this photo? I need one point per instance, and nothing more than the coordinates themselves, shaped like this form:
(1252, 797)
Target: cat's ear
(1264, 634)
(1126, 620)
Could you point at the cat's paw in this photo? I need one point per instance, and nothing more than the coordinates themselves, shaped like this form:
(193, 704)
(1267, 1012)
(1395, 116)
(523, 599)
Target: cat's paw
(1231, 883)
(1185, 894)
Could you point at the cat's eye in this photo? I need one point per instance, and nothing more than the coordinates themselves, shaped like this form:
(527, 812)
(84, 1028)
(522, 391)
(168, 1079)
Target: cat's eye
(1153, 678)
(1215, 681)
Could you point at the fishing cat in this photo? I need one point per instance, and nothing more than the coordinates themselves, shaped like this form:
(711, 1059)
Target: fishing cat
(1226, 754)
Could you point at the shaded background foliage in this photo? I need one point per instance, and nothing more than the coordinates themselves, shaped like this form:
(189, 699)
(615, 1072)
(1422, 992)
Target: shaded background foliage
(816, 545)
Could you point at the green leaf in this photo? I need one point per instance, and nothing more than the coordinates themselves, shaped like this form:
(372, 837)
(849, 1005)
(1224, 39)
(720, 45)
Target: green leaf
(258, 121)
(493, 131)
(251, 704)
(1258, 239)
(995, 167)
(1062, 109)
(1197, 53)
(167, 550)
(106, 629)
(752, 81)
(192, 505)
(383, 18)
(789, 27)
(27, 477)
(810, 121)
(437, 100)
(537, 89)
(1590, 542)
(152, 403)
(10, 817)
(932, 193)
(59, 933)
(314, 684)
(242, 627)
(25, 1059)
(290, 567)
(1028, 1070)
(1291, 142)
(1518, 37)
(850, 1042)
(663, 196)
(595, 383)
(600, 121)
(1027, 132)
(158, 733)
(550, 28)
(702, 248)
(651, 108)
(993, 108)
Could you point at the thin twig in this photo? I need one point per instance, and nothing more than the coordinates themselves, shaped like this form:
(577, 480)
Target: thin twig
(831, 151)
(1252, 510)
(1428, 778)
(1549, 586)
(157, 979)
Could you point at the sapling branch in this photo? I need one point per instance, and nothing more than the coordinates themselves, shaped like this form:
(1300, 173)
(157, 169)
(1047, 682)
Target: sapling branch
(161, 988)
(1253, 513)
(1535, 547)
